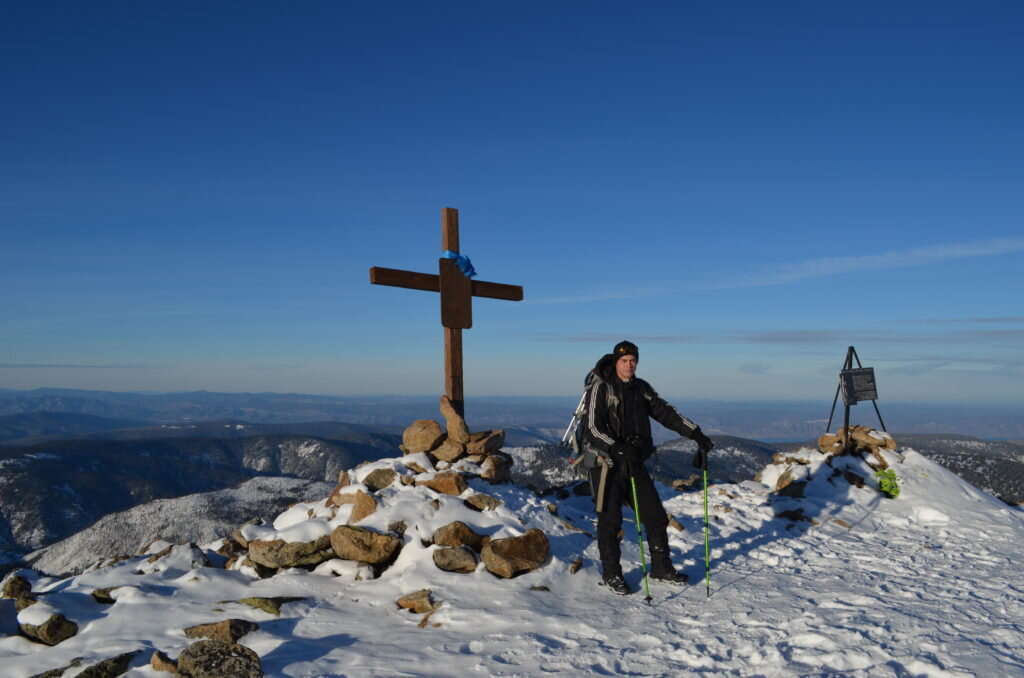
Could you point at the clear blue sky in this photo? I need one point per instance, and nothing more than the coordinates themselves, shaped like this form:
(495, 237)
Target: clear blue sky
(191, 194)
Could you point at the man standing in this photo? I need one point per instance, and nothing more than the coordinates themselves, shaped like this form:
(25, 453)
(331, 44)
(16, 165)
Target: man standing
(616, 442)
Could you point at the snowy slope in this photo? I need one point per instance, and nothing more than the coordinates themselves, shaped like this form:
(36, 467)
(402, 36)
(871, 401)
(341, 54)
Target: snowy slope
(927, 584)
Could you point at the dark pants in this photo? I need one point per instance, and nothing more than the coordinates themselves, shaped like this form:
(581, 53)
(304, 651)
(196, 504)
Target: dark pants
(619, 492)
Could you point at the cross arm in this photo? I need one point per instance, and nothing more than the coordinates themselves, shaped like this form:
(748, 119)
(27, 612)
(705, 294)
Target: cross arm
(431, 283)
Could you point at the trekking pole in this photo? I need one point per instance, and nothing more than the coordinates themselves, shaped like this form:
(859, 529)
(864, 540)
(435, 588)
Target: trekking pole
(707, 550)
(640, 539)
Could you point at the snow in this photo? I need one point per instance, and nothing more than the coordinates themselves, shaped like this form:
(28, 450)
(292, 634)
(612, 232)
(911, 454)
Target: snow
(927, 584)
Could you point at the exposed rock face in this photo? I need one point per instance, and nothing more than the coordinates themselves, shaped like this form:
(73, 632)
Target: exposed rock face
(449, 450)
(365, 546)
(497, 468)
(458, 559)
(515, 555)
(485, 442)
(457, 430)
(279, 553)
(482, 502)
(15, 586)
(110, 668)
(419, 602)
(227, 631)
(448, 482)
(162, 662)
(216, 659)
(365, 505)
(423, 435)
(458, 533)
(54, 630)
(379, 479)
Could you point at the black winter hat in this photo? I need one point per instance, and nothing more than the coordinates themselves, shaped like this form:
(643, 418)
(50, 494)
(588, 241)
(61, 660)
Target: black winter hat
(625, 347)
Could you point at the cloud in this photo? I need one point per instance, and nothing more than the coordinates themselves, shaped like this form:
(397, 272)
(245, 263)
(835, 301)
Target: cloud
(917, 256)
(980, 321)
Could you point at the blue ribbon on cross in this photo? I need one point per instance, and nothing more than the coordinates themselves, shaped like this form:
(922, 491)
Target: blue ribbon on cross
(462, 261)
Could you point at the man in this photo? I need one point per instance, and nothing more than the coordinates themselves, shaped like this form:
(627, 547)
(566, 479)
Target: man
(616, 442)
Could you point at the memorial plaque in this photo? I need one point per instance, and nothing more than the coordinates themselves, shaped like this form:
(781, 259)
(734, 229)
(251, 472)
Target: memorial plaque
(858, 384)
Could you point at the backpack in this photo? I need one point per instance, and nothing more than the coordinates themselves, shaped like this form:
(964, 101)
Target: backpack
(572, 440)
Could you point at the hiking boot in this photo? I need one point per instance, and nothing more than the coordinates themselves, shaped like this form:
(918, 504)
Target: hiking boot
(616, 582)
(669, 575)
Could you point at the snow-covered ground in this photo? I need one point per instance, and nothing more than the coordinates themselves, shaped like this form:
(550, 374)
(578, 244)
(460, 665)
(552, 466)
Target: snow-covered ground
(928, 584)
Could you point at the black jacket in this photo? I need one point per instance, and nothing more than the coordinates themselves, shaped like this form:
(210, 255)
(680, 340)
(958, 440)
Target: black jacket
(618, 411)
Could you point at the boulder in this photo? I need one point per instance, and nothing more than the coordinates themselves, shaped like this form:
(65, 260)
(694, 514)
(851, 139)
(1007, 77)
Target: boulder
(511, 556)
(418, 602)
(162, 662)
(15, 586)
(449, 450)
(103, 596)
(110, 668)
(497, 468)
(227, 631)
(458, 533)
(365, 505)
(448, 482)
(216, 659)
(363, 545)
(268, 605)
(54, 630)
(279, 553)
(57, 673)
(457, 430)
(482, 502)
(423, 435)
(456, 559)
(485, 442)
(23, 601)
(379, 479)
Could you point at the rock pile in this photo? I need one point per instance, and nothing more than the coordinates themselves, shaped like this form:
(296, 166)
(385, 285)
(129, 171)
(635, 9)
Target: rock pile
(871, 451)
(428, 501)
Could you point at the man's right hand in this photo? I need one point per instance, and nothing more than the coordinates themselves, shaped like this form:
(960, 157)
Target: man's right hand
(704, 445)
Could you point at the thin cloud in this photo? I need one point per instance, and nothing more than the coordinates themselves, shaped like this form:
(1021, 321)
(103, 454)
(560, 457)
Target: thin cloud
(979, 321)
(917, 256)
(590, 298)
(615, 338)
(70, 366)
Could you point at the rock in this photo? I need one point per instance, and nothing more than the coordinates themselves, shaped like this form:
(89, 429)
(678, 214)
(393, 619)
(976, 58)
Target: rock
(418, 602)
(511, 556)
(482, 502)
(227, 631)
(379, 479)
(576, 565)
(853, 478)
(458, 533)
(239, 537)
(449, 451)
(268, 605)
(279, 553)
(54, 630)
(398, 527)
(162, 662)
(457, 430)
(365, 505)
(230, 548)
(485, 442)
(455, 559)
(215, 659)
(15, 586)
(103, 597)
(57, 673)
(423, 435)
(110, 668)
(675, 524)
(497, 468)
(363, 545)
(448, 482)
(23, 601)
(794, 490)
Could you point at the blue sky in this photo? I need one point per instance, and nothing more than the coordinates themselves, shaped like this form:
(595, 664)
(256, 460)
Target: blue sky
(191, 194)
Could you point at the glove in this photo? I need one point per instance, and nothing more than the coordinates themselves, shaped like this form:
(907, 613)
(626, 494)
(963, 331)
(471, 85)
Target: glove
(629, 456)
(704, 445)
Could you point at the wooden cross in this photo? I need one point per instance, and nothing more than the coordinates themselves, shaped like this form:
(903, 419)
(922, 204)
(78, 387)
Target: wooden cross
(457, 292)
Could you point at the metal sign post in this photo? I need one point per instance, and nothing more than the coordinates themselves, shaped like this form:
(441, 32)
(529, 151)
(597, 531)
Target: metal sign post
(856, 384)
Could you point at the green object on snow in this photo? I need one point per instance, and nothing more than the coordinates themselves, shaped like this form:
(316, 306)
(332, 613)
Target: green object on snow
(888, 483)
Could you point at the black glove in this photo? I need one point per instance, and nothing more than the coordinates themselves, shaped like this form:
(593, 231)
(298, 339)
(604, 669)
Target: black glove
(704, 445)
(628, 455)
